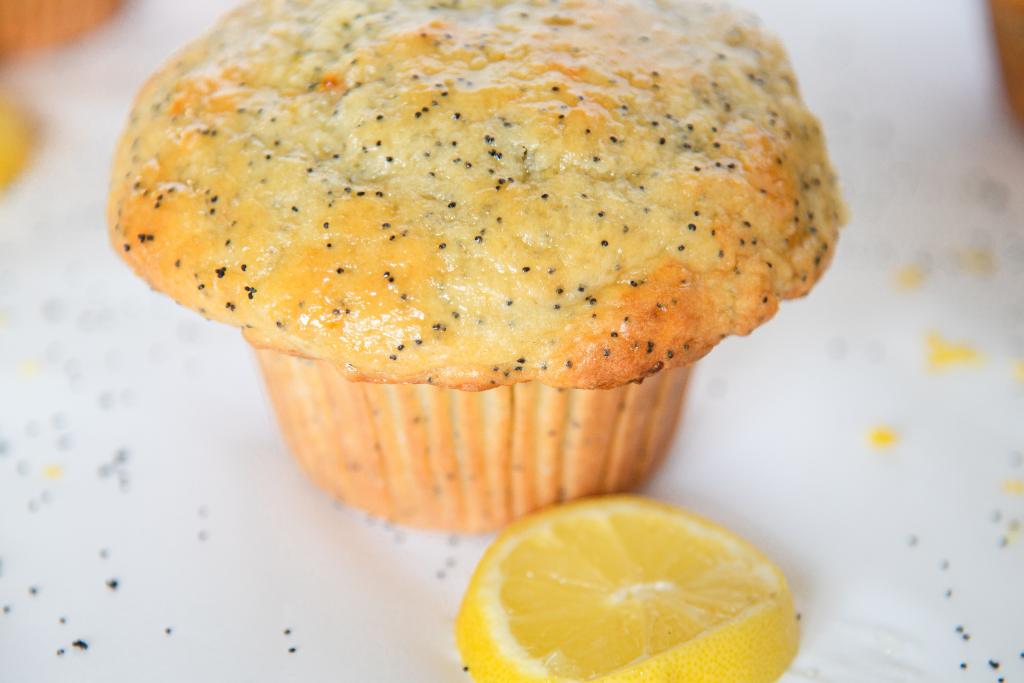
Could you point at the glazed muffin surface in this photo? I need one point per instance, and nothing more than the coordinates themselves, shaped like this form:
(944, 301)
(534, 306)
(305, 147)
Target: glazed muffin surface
(479, 193)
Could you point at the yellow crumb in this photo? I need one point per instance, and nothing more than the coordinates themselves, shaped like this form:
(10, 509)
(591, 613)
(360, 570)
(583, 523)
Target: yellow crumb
(1018, 370)
(944, 354)
(28, 368)
(881, 437)
(1012, 531)
(909, 277)
(1013, 487)
(53, 471)
(14, 142)
(977, 261)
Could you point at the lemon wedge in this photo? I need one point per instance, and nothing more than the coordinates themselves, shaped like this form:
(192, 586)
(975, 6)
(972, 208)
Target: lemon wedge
(619, 589)
(14, 142)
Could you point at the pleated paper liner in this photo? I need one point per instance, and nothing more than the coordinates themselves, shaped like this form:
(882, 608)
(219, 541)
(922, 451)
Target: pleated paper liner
(468, 461)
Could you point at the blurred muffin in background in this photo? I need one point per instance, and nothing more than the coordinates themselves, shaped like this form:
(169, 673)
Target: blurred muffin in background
(1008, 22)
(28, 24)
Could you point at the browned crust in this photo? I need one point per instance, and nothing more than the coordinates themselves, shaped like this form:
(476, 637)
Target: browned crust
(669, 324)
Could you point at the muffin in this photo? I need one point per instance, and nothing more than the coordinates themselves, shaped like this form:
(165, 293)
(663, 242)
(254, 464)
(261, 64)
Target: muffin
(26, 24)
(478, 244)
(1008, 24)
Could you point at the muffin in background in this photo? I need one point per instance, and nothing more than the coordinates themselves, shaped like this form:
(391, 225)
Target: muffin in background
(29, 24)
(1008, 25)
(478, 244)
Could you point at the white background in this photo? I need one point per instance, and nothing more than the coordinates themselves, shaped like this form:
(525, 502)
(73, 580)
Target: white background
(212, 531)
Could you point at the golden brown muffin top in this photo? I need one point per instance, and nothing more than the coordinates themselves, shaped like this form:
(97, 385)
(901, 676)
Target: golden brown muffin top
(476, 192)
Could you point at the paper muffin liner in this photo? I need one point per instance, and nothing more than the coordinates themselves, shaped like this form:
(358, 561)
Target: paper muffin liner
(27, 24)
(1008, 24)
(468, 461)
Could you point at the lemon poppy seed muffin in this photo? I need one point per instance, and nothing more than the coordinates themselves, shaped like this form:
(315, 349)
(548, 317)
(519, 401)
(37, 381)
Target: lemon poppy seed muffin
(529, 195)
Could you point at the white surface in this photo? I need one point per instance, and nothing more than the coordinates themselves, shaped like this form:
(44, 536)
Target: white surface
(774, 442)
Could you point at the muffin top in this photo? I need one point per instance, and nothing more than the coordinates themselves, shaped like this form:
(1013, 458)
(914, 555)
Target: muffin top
(473, 193)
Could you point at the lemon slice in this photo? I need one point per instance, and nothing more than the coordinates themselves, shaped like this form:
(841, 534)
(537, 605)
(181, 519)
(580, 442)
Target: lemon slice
(625, 589)
(14, 142)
